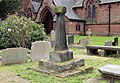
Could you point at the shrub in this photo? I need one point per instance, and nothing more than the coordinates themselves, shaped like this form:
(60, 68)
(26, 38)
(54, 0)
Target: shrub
(20, 32)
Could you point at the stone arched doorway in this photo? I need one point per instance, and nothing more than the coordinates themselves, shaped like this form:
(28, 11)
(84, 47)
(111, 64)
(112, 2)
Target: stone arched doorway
(47, 20)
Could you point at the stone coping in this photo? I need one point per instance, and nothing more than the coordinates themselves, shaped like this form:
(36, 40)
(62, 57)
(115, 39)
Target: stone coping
(77, 71)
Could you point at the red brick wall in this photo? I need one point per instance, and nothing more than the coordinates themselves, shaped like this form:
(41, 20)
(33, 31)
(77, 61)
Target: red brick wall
(100, 26)
(102, 29)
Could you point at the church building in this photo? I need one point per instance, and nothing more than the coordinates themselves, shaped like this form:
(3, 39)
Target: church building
(101, 16)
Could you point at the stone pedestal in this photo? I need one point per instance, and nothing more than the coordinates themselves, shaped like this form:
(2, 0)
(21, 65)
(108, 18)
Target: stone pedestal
(61, 56)
(61, 59)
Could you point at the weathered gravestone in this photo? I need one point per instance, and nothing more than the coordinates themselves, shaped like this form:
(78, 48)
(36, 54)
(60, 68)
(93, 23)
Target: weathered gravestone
(14, 56)
(88, 33)
(108, 43)
(52, 38)
(70, 40)
(40, 50)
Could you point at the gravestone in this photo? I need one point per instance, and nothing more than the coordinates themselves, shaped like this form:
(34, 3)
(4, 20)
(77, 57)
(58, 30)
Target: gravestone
(83, 41)
(70, 40)
(108, 43)
(40, 50)
(52, 38)
(115, 41)
(61, 59)
(14, 56)
(88, 33)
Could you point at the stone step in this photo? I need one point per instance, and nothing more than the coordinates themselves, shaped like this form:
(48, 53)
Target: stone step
(62, 66)
(77, 71)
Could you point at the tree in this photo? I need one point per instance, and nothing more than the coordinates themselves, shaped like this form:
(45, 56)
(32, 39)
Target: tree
(8, 7)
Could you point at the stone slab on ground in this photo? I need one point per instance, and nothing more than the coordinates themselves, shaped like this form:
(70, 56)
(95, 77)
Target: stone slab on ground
(62, 66)
(111, 72)
(110, 69)
(8, 77)
(81, 70)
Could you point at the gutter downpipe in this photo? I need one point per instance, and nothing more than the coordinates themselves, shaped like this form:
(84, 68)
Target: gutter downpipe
(109, 19)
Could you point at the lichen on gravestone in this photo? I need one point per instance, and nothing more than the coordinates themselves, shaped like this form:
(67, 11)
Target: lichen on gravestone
(59, 9)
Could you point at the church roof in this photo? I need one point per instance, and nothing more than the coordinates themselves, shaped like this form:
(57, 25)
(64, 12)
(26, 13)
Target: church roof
(78, 3)
(70, 14)
(108, 1)
(36, 4)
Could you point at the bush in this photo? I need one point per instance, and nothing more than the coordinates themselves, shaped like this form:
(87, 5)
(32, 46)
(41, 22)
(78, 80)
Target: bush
(20, 32)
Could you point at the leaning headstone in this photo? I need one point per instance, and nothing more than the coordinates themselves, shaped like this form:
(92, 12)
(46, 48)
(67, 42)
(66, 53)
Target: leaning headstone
(88, 33)
(14, 56)
(40, 50)
(70, 40)
(108, 43)
(52, 38)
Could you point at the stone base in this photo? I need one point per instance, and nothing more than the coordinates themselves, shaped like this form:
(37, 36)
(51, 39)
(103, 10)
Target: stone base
(77, 71)
(62, 66)
(61, 56)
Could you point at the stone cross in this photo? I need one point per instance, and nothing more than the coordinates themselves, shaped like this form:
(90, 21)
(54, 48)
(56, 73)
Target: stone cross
(88, 33)
(61, 52)
(60, 38)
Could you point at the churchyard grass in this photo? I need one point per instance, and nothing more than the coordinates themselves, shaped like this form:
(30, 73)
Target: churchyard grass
(95, 40)
(93, 61)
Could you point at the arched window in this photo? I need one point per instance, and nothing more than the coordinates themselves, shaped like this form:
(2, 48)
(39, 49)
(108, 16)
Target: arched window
(89, 13)
(93, 13)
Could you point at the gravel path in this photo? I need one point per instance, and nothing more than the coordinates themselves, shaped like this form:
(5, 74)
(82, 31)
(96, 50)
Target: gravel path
(8, 77)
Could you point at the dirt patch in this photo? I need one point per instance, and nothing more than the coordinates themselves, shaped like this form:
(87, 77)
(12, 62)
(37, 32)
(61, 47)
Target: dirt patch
(8, 77)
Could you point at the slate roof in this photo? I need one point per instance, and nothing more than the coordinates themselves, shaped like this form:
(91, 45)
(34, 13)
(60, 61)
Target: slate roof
(70, 14)
(36, 4)
(78, 3)
(108, 1)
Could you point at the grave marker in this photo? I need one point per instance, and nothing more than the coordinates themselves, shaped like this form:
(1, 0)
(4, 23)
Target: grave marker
(52, 38)
(14, 56)
(88, 33)
(40, 50)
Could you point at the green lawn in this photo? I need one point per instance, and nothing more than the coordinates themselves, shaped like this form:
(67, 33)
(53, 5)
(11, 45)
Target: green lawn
(95, 40)
(94, 61)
